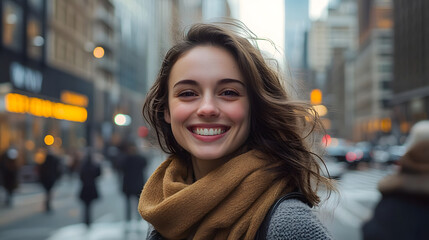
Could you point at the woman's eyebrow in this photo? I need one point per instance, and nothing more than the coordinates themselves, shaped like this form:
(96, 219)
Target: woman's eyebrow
(186, 81)
(195, 83)
(231, 80)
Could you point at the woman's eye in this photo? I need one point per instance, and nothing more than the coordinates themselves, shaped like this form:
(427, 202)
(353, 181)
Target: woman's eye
(229, 93)
(187, 94)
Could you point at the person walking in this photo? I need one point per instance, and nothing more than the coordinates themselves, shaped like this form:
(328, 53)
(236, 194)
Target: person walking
(90, 170)
(240, 165)
(9, 173)
(49, 173)
(133, 166)
(402, 213)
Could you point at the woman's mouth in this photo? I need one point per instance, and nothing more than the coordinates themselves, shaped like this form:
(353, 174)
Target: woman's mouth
(209, 131)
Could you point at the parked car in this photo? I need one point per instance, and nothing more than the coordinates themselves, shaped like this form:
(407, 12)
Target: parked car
(365, 151)
(342, 151)
(380, 154)
(334, 169)
(395, 153)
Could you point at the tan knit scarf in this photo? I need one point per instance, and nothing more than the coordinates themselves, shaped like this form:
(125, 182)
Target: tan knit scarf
(228, 203)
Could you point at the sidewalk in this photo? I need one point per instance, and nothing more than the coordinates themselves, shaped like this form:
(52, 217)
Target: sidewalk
(107, 228)
(103, 231)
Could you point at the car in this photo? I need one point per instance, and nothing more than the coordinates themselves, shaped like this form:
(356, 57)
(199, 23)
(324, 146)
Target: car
(395, 153)
(338, 149)
(364, 150)
(380, 154)
(334, 169)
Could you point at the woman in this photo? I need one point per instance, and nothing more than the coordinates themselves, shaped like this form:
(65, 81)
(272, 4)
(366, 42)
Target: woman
(236, 143)
(88, 174)
(403, 210)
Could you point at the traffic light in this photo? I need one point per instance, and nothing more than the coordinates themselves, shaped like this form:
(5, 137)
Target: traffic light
(316, 97)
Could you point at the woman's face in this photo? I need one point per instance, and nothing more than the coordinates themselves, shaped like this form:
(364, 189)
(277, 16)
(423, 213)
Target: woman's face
(208, 103)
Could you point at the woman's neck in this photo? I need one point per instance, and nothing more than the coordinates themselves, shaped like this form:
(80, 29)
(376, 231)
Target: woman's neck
(203, 167)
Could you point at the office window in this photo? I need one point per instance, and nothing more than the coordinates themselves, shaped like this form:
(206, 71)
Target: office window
(35, 40)
(36, 5)
(60, 49)
(385, 84)
(12, 25)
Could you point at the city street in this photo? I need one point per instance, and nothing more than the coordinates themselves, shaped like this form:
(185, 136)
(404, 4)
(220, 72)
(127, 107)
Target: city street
(343, 214)
(27, 219)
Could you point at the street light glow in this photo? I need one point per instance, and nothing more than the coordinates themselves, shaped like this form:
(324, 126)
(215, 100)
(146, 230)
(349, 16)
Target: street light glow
(98, 52)
(122, 119)
(49, 140)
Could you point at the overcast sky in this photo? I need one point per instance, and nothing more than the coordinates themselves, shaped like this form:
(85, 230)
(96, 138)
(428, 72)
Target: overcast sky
(266, 18)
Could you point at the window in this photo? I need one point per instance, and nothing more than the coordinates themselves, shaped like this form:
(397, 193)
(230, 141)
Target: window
(385, 68)
(384, 103)
(385, 84)
(60, 49)
(35, 40)
(12, 25)
(36, 5)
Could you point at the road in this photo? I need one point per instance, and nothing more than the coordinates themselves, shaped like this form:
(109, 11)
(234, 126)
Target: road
(343, 213)
(26, 219)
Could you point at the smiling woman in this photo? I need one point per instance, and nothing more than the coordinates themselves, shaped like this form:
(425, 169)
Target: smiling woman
(237, 145)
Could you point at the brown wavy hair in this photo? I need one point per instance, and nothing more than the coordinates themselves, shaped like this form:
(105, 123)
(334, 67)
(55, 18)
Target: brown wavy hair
(279, 127)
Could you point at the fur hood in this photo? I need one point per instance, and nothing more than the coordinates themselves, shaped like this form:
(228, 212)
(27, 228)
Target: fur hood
(413, 176)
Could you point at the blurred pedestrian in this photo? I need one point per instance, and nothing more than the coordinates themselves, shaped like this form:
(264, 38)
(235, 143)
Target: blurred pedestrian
(49, 173)
(90, 170)
(240, 166)
(133, 166)
(403, 211)
(9, 172)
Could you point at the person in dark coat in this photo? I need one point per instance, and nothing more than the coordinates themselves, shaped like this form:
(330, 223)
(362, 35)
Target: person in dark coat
(49, 173)
(133, 166)
(403, 210)
(89, 172)
(9, 172)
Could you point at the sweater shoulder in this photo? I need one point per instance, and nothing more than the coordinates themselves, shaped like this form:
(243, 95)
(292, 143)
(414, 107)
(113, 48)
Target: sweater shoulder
(294, 219)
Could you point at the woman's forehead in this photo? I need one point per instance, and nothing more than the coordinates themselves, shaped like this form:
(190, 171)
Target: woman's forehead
(205, 63)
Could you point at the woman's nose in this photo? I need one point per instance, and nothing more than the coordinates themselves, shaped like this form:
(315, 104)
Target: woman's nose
(208, 107)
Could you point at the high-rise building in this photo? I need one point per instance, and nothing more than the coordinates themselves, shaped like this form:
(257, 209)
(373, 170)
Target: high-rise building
(342, 35)
(410, 84)
(373, 70)
(296, 23)
(45, 83)
(318, 52)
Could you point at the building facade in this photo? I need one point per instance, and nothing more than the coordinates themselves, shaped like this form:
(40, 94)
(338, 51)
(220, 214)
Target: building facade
(342, 28)
(410, 101)
(39, 95)
(373, 70)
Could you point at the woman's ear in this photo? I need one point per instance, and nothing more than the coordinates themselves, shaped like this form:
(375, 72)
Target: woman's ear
(167, 117)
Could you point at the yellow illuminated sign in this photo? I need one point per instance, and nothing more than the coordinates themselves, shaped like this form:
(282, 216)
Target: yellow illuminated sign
(74, 98)
(44, 108)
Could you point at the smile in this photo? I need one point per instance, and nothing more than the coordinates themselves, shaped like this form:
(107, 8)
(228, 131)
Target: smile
(208, 131)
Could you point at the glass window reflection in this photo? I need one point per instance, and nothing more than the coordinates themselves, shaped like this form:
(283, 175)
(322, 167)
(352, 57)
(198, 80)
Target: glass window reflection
(36, 5)
(12, 25)
(35, 40)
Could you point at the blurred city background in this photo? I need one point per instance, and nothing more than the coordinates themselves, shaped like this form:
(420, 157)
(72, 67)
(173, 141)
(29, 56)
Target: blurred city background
(74, 74)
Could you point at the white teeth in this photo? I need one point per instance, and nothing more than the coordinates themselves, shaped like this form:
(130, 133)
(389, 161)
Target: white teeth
(208, 131)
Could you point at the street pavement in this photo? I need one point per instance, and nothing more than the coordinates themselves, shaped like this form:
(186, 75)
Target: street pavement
(342, 213)
(26, 219)
(345, 212)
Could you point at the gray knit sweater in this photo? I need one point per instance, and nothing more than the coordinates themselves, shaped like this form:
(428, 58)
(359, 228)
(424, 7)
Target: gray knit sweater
(292, 220)
(295, 220)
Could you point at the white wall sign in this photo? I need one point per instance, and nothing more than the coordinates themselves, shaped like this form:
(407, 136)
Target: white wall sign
(25, 78)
